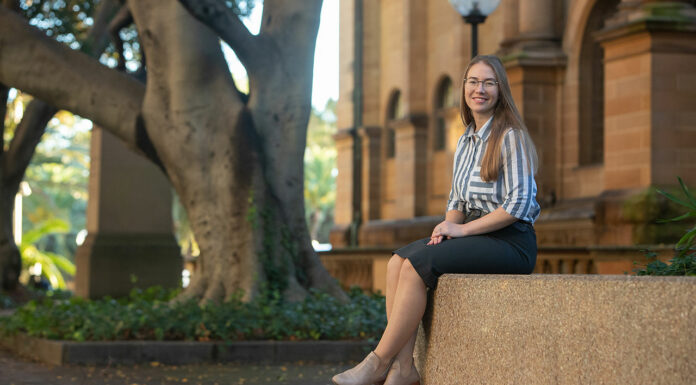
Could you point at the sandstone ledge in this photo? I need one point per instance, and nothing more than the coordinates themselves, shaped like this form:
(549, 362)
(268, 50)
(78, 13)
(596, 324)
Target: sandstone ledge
(559, 329)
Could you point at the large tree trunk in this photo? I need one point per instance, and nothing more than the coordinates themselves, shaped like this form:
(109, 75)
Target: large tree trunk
(240, 175)
(237, 166)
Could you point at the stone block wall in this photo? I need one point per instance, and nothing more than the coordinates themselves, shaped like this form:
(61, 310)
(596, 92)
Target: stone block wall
(548, 329)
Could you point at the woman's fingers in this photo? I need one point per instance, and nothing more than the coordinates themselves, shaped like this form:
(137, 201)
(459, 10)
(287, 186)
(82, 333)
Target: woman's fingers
(434, 240)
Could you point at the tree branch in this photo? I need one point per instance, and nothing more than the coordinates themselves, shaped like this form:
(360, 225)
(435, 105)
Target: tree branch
(11, 4)
(67, 79)
(38, 113)
(229, 27)
(4, 94)
(98, 38)
(26, 138)
(297, 20)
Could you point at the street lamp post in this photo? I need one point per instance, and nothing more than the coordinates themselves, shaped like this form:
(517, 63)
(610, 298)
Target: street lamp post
(474, 12)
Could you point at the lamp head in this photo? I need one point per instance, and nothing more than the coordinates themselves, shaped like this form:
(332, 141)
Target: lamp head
(482, 7)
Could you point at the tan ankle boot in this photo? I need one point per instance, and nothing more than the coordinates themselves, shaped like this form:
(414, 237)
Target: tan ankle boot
(399, 376)
(369, 371)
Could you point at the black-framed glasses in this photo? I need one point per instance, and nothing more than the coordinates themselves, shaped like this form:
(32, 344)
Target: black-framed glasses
(488, 84)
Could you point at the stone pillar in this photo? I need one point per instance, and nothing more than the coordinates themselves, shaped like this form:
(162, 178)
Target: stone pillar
(346, 61)
(650, 94)
(130, 241)
(414, 59)
(371, 174)
(372, 114)
(411, 162)
(536, 22)
(535, 63)
(343, 211)
(510, 11)
(649, 104)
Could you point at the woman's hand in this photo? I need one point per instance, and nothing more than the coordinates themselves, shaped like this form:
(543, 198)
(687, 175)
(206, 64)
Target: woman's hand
(446, 230)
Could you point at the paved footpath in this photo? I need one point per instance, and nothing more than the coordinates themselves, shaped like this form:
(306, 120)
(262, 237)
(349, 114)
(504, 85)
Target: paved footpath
(19, 371)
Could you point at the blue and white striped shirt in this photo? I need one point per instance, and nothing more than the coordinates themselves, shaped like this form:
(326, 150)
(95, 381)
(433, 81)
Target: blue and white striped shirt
(515, 190)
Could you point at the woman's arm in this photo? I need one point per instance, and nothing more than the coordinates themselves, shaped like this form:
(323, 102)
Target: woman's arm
(493, 221)
(454, 216)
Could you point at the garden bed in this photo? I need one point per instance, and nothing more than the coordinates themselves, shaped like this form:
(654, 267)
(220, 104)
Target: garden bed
(150, 326)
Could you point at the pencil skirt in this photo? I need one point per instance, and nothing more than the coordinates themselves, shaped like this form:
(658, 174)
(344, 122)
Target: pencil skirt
(510, 250)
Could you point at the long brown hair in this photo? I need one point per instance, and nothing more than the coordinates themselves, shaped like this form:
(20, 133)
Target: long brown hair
(505, 116)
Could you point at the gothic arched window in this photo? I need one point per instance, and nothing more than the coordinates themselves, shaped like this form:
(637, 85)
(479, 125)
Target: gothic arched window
(444, 99)
(591, 84)
(395, 112)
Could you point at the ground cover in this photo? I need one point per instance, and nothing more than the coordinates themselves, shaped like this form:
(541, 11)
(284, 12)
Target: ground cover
(152, 314)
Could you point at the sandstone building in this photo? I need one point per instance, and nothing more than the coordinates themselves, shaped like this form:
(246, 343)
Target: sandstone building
(606, 87)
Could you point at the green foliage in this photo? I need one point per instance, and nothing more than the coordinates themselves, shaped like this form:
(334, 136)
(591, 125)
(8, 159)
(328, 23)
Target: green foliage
(57, 178)
(68, 21)
(6, 302)
(52, 265)
(152, 315)
(183, 230)
(320, 171)
(275, 269)
(684, 263)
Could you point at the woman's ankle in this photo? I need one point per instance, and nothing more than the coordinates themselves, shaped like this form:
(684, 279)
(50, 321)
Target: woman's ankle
(384, 362)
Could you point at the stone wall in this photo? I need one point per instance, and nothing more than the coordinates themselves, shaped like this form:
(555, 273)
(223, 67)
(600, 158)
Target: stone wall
(549, 329)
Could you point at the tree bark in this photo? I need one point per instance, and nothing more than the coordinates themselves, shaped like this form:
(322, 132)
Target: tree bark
(236, 165)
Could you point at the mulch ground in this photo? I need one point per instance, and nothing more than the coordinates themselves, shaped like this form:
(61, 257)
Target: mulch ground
(19, 371)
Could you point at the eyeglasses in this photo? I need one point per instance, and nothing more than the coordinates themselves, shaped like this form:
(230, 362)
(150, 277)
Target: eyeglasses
(487, 84)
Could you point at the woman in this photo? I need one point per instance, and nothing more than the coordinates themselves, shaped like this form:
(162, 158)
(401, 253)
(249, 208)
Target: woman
(487, 227)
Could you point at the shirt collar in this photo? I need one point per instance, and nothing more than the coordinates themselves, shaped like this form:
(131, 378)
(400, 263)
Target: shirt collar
(483, 133)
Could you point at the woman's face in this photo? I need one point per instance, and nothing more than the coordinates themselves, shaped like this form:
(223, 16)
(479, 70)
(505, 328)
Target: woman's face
(481, 90)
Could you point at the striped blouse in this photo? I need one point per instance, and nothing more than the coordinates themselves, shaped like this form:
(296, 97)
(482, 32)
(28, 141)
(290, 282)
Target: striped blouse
(515, 190)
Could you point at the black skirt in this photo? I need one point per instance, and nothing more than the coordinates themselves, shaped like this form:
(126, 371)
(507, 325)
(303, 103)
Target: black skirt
(510, 250)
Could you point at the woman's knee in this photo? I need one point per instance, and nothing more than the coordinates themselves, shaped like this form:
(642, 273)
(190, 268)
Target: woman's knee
(394, 264)
(408, 271)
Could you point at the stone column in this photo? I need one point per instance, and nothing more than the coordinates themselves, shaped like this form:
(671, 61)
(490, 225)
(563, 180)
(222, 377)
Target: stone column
(371, 174)
(510, 10)
(535, 63)
(536, 23)
(411, 162)
(649, 104)
(130, 241)
(345, 189)
(650, 94)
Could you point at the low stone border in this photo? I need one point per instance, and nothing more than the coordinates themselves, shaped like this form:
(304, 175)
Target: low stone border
(184, 352)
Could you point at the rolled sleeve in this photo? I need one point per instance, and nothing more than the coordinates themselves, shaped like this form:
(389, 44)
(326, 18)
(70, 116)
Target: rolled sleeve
(452, 204)
(517, 176)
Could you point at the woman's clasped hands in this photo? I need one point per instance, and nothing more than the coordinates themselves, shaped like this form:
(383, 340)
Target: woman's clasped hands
(446, 230)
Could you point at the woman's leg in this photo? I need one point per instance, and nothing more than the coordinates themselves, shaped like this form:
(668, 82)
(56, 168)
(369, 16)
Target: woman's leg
(405, 355)
(404, 314)
(393, 271)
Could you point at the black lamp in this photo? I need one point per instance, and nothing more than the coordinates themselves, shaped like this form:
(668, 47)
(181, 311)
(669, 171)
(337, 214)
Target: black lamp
(474, 12)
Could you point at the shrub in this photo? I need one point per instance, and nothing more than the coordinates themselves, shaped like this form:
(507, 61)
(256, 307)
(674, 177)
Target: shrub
(6, 302)
(684, 263)
(152, 315)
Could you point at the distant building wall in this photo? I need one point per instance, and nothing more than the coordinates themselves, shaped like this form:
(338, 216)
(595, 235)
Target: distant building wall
(606, 88)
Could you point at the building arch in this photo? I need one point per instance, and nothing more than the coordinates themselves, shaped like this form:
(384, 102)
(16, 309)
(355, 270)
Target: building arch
(591, 86)
(395, 112)
(443, 101)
